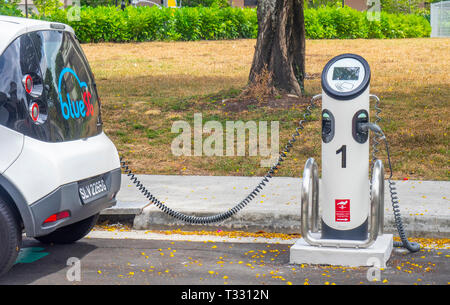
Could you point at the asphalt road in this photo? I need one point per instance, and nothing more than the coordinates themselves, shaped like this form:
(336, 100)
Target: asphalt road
(204, 262)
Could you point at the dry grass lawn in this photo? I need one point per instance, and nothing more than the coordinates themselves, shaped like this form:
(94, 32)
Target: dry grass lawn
(145, 87)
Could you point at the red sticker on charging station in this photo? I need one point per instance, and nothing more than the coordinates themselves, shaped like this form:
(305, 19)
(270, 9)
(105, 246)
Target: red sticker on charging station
(342, 210)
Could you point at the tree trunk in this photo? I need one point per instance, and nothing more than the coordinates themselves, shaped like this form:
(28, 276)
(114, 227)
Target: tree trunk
(280, 47)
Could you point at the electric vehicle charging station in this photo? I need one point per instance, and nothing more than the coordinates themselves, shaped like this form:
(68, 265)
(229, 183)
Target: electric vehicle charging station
(58, 169)
(352, 206)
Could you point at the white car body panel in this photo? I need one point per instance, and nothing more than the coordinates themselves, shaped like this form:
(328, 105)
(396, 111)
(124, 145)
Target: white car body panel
(43, 167)
(10, 149)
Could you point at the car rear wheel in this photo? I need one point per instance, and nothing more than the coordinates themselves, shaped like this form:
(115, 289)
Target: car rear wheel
(71, 233)
(10, 237)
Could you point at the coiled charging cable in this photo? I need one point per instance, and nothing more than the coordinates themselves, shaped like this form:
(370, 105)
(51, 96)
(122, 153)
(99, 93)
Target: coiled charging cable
(411, 246)
(223, 216)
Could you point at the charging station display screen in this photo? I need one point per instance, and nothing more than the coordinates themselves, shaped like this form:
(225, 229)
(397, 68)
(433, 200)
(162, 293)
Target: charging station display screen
(346, 73)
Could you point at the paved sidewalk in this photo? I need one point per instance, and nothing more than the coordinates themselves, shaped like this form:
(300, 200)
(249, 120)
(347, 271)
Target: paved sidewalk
(424, 205)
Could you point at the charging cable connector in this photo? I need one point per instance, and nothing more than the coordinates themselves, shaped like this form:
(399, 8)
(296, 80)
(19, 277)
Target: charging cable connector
(364, 127)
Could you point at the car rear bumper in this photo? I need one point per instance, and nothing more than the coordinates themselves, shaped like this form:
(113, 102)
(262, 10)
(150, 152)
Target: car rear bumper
(67, 198)
(41, 168)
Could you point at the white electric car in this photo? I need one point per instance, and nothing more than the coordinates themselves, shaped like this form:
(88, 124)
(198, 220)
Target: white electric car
(58, 169)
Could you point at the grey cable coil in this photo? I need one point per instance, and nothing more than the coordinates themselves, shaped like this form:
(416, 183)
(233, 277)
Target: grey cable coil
(223, 216)
(411, 246)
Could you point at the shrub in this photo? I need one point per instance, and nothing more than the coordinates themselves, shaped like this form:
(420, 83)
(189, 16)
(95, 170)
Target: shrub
(108, 23)
(206, 3)
(345, 23)
(47, 7)
(319, 3)
(10, 8)
(95, 3)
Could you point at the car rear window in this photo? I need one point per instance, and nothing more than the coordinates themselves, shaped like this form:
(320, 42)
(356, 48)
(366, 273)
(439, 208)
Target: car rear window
(66, 91)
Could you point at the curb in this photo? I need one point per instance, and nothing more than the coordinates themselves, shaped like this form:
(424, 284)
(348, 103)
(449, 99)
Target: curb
(424, 206)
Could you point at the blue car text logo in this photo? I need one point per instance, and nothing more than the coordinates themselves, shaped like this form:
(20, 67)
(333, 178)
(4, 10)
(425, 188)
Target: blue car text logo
(75, 109)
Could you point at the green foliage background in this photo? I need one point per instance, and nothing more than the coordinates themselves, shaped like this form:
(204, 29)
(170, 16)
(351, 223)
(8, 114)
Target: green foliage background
(10, 8)
(110, 24)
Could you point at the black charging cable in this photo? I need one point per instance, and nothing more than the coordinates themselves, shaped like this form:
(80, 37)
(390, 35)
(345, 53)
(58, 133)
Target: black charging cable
(243, 203)
(411, 246)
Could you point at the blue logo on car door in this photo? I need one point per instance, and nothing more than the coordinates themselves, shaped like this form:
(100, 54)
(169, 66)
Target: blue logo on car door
(78, 108)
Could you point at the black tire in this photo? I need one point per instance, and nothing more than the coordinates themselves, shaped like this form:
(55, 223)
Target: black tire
(71, 233)
(10, 237)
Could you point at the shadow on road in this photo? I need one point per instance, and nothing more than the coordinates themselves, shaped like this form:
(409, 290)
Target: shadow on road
(37, 261)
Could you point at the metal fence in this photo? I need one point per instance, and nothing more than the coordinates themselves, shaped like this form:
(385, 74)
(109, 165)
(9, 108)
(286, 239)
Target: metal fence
(440, 19)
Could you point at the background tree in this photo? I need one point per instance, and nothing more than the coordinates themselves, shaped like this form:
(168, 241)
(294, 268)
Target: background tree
(46, 7)
(280, 47)
(10, 8)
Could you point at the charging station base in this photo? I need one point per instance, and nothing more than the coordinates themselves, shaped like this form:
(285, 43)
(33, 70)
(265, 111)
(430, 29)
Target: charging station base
(377, 254)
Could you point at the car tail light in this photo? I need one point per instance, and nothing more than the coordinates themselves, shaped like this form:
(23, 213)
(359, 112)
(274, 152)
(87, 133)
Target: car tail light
(34, 111)
(57, 216)
(28, 83)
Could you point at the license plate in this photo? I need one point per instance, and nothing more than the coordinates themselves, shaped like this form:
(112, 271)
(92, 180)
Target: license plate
(92, 190)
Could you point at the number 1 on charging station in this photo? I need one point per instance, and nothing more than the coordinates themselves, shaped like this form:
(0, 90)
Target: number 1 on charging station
(343, 150)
